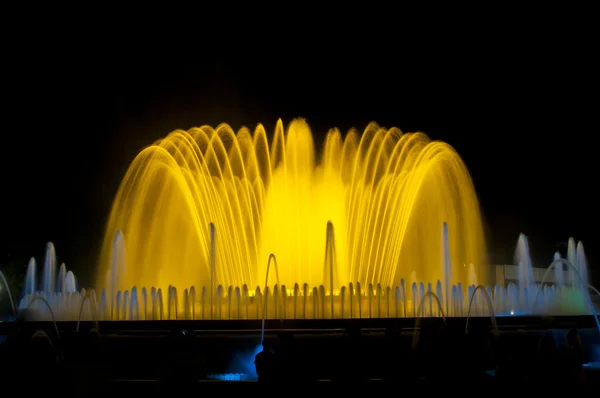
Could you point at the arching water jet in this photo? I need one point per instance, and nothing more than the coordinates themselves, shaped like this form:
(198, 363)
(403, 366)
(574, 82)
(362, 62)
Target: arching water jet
(386, 193)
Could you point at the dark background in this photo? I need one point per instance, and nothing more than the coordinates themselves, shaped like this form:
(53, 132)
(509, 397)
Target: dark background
(517, 98)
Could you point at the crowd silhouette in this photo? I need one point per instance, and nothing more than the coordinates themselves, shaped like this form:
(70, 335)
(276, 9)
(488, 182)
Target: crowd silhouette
(439, 356)
(449, 356)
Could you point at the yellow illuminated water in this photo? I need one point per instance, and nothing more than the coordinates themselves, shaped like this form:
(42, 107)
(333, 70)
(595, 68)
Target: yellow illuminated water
(387, 194)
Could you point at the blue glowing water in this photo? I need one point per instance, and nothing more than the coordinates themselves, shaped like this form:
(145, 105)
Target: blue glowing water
(241, 366)
(228, 377)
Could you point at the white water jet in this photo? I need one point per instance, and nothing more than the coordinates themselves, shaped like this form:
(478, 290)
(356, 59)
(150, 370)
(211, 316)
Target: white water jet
(306, 302)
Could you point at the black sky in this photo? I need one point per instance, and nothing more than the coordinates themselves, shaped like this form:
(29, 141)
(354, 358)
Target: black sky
(518, 102)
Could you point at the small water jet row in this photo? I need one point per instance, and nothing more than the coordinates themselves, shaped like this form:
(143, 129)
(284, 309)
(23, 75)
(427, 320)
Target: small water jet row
(568, 295)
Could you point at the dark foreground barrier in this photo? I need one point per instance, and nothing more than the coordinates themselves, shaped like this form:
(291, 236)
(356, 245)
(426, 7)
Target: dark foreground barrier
(180, 355)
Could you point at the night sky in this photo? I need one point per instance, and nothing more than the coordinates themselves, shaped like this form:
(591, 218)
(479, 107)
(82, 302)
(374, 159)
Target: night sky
(518, 102)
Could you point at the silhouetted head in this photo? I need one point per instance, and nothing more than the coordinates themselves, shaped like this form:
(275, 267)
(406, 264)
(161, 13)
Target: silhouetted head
(41, 348)
(546, 344)
(428, 338)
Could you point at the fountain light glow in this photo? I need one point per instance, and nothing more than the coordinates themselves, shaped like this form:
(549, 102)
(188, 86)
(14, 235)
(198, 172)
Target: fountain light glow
(387, 194)
(206, 210)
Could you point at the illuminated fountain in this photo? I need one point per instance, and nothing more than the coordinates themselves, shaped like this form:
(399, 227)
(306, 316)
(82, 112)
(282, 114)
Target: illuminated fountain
(202, 214)
(566, 296)
(386, 193)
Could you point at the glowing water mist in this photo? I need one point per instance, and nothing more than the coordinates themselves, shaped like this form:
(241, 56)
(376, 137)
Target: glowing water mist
(387, 194)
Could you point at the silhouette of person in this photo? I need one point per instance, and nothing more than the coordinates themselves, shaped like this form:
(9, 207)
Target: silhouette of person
(510, 366)
(354, 369)
(548, 361)
(265, 364)
(178, 367)
(574, 360)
